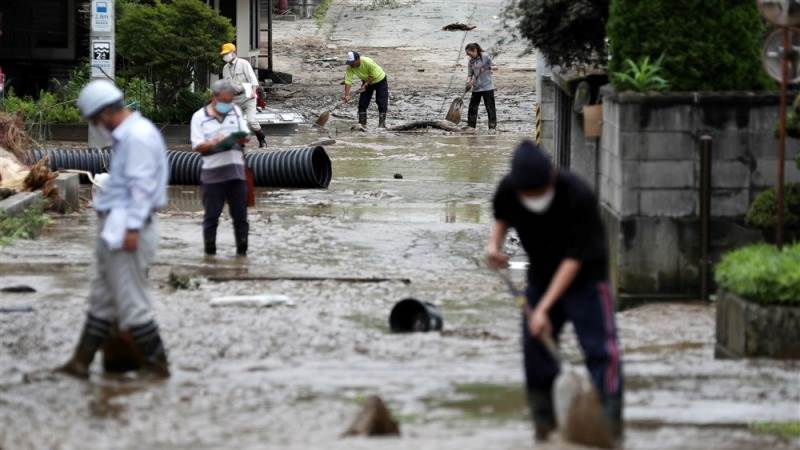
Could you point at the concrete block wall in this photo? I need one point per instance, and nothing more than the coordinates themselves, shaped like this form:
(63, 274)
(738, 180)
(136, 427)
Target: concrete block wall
(546, 96)
(648, 173)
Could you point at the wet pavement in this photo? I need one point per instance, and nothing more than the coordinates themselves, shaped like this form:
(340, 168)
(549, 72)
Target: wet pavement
(293, 377)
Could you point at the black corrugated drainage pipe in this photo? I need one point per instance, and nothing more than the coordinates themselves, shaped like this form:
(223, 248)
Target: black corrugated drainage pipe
(304, 167)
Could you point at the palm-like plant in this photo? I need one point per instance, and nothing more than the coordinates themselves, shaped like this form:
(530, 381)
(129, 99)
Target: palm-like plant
(642, 77)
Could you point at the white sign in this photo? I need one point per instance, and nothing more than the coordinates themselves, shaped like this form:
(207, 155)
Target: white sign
(102, 58)
(102, 16)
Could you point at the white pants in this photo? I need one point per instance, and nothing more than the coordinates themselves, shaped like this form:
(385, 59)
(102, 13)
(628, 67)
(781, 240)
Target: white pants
(119, 288)
(248, 106)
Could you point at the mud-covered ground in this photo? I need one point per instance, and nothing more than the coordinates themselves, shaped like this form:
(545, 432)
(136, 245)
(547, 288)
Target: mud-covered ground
(293, 377)
(425, 66)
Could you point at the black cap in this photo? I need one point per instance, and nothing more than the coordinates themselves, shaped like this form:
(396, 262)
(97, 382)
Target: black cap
(530, 167)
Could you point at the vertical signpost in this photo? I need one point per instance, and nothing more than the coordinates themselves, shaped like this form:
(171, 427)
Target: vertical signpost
(780, 57)
(101, 53)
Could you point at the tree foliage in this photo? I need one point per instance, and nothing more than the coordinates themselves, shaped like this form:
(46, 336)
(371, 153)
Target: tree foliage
(567, 32)
(711, 45)
(169, 42)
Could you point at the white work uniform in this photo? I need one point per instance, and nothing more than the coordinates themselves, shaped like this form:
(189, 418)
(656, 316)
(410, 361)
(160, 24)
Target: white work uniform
(241, 73)
(135, 190)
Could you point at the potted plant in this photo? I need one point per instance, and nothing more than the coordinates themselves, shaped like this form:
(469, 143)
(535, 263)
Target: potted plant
(758, 304)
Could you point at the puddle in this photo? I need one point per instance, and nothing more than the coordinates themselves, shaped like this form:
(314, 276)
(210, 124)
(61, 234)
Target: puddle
(488, 401)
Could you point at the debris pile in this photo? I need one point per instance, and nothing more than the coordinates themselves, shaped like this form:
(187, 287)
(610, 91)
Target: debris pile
(375, 419)
(458, 26)
(15, 175)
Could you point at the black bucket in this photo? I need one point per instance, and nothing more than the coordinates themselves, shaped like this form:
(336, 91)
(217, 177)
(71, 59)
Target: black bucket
(410, 315)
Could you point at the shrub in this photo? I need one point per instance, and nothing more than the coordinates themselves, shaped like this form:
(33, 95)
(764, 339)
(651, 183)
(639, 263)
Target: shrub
(168, 43)
(567, 32)
(26, 225)
(762, 273)
(642, 77)
(47, 109)
(708, 45)
(763, 212)
(181, 110)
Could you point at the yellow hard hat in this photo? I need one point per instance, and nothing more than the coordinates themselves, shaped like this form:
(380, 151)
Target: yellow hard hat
(227, 48)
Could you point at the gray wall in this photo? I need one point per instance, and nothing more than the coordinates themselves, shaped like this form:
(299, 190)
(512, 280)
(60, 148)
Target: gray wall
(649, 180)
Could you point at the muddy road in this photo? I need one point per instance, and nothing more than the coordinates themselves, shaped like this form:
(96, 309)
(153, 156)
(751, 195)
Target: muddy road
(293, 377)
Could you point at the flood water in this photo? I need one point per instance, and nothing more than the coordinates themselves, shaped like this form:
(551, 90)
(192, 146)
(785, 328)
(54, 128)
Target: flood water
(293, 377)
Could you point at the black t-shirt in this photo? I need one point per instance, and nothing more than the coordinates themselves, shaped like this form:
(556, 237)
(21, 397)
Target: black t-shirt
(570, 228)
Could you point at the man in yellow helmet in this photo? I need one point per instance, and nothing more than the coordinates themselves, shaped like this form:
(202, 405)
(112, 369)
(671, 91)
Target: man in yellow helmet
(241, 74)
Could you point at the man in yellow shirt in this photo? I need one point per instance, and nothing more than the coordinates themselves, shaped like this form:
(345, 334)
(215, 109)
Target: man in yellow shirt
(374, 80)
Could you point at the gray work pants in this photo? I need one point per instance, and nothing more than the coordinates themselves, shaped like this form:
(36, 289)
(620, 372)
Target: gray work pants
(119, 288)
(248, 106)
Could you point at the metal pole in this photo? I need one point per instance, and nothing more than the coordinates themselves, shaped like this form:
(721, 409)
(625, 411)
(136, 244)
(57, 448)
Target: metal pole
(269, 36)
(782, 143)
(705, 215)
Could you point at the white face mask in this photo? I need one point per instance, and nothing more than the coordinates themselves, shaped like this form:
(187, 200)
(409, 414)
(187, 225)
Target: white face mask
(538, 205)
(228, 57)
(103, 133)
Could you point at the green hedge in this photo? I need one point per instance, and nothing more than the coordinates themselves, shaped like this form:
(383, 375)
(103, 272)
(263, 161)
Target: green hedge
(708, 45)
(762, 273)
(763, 212)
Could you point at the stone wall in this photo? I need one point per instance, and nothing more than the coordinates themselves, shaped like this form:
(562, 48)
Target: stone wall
(648, 176)
(747, 329)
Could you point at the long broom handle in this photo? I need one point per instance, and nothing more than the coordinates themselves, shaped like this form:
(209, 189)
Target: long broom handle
(546, 338)
(341, 102)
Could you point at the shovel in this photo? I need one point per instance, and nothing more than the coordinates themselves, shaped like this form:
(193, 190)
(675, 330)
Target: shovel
(323, 118)
(579, 412)
(454, 113)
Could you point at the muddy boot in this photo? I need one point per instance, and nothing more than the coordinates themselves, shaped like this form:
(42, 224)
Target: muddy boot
(95, 332)
(241, 244)
(154, 357)
(210, 242)
(542, 413)
(362, 119)
(612, 409)
(382, 121)
(262, 140)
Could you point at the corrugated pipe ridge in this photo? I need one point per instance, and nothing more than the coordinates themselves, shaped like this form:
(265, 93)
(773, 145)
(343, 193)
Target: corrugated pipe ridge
(303, 167)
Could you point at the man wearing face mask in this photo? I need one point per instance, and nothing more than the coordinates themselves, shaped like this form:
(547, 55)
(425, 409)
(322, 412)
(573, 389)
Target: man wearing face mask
(127, 236)
(557, 218)
(223, 172)
(241, 74)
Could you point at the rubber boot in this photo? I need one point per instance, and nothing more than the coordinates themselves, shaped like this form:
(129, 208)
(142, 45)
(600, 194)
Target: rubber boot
(612, 409)
(262, 140)
(382, 121)
(154, 356)
(542, 413)
(94, 335)
(241, 243)
(210, 242)
(362, 119)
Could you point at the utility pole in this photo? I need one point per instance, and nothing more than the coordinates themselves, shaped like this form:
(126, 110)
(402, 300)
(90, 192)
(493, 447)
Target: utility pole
(101, 53)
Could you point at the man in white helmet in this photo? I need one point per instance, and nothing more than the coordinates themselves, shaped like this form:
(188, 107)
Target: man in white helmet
(241, 74)
(127, 237)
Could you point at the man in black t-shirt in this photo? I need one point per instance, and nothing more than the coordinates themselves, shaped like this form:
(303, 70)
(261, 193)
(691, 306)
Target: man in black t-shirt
(557, 218)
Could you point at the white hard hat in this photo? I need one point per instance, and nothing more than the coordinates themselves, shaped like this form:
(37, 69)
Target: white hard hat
(96, 95)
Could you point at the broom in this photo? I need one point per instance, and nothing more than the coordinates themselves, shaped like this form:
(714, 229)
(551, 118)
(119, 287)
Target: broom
(454, 113)
(323, 118)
